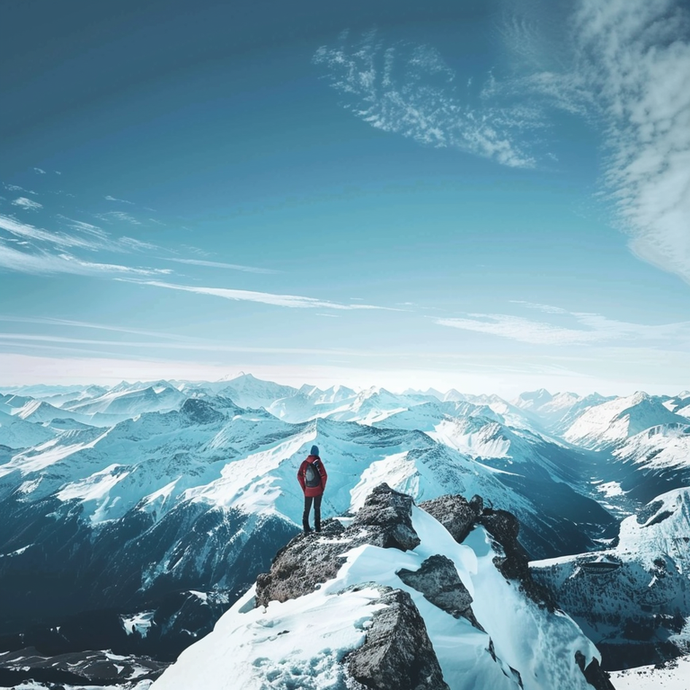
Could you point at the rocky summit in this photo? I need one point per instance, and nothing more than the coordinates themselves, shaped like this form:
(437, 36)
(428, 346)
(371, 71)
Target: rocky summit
(397, 597)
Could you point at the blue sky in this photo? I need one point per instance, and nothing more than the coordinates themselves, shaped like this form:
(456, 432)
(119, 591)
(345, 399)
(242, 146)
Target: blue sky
(493, 196)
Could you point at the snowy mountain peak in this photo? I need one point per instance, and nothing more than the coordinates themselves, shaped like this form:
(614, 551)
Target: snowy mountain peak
(616, 420)
(661, 527)
(533, 399)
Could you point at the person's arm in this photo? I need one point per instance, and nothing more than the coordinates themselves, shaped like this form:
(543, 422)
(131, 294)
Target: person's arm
(324, 475)
(300, 476)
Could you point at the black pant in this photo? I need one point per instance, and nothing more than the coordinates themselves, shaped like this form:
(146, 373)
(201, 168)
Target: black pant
(317, 512)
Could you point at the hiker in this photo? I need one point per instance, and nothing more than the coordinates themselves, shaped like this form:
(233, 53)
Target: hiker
(312, 478)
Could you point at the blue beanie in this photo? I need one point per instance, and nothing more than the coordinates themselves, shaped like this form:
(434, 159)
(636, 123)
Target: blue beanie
(314, 450)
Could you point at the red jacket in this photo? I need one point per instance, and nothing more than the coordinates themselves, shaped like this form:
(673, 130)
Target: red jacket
(312, 490)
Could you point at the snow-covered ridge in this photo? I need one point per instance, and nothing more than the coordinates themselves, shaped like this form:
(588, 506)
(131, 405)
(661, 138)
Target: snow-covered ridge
(310, 638)
(616, 420)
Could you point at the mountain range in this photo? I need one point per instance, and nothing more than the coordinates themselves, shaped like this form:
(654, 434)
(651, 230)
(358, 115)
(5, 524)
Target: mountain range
(161, 502)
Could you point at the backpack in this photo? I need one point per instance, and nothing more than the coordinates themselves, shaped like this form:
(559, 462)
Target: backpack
(312, 475)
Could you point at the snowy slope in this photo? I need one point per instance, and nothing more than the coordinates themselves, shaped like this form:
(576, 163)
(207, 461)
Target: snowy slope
(41, 412)
(302, 642)
(17, 433)
(311, 402)
(649, 463)
(615, 421)
(660, 447)
(124, 402)
(557, 412)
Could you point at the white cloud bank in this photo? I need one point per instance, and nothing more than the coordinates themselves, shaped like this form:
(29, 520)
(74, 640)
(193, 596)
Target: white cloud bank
(625, 66)
(640, 62)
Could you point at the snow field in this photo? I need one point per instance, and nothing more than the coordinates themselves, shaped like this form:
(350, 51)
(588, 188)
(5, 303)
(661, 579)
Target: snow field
(295, 644)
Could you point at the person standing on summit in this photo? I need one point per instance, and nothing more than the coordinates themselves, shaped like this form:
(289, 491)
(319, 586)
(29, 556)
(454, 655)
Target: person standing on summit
(312, 478)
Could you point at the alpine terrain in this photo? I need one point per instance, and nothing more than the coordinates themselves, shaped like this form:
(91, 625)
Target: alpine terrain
(132, 518)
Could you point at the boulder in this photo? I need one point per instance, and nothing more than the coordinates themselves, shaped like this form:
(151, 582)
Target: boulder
(438, 580)
(390, 513)
(397, 653)
(457, 515)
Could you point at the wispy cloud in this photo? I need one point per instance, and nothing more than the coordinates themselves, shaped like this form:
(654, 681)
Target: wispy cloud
(221, 264)
(27, 204)
(72, 324)
(87, 228)
(44, 262)
(570, 328)
(31, 338)
(30, 232)
(118, 216)
(410, 90)
(17, 188)
(290, 301)
(122, 201)
(641, 54)
(40, 171)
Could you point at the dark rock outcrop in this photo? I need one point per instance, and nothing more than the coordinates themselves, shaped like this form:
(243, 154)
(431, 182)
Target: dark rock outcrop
(306, 562)
(198, 411)
(457, 515)
(514, 564)
(595, 675)
(460, 517)
(384, 520)
(397, 653)
(438, 580)
(390, 512)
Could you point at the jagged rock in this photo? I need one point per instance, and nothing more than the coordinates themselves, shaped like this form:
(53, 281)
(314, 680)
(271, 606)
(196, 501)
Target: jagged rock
(397, 653)
(302, 565)
(384, 520)
(477, 504)
(595, 675)
(455, 513)
(391, 512)
(438, 580)
(514, 564)
(459, 517)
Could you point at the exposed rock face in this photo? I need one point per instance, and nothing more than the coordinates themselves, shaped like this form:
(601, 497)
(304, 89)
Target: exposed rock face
(397, 653)
(304, 563)
(199, 411)
(440, 583)
(504, 528)
(460, 517)
(455, 513)
(595, 675)
(391, 512)
(308, 560)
